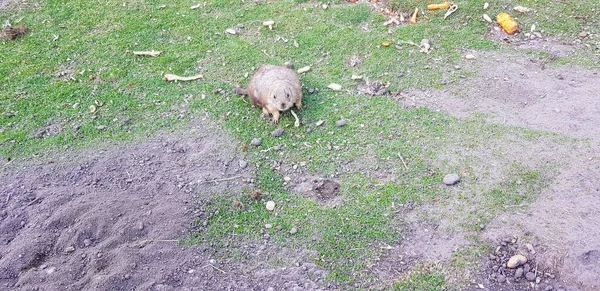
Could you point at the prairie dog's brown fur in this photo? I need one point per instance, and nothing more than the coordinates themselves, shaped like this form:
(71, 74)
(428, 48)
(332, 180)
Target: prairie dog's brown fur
(274, 89)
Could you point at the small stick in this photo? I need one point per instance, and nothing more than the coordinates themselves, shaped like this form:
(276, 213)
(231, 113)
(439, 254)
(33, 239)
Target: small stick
(33, 201)
(151, 53)
(297, 123)
(219, 180)
(8, 196)
(215, 268)
(171, 77)
(400, 156)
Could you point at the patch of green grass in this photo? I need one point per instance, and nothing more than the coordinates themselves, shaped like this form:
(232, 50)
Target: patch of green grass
(78, 54)
(420, 281)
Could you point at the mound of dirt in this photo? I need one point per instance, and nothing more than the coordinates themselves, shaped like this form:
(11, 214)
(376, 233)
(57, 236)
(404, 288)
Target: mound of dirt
(112, 219)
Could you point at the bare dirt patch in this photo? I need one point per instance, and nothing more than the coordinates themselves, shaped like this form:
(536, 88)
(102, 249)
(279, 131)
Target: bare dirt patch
(322, 190)
(523, 91)
(111, 218)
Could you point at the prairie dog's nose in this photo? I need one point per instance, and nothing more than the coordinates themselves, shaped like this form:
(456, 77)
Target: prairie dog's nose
(282, 105)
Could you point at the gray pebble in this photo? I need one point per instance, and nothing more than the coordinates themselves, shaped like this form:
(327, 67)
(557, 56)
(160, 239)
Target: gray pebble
(548, 288)
(255, 142)
(519, 273)
(87, 242)
(340, 122)
(101, 127)
(293, 230)
(139, 225)
(277, 147)
(311, 90)
(501, 279)
(451, 179)
(526, 268)
(277, 132)
(530, 276)
(243, 164)
(69, 250)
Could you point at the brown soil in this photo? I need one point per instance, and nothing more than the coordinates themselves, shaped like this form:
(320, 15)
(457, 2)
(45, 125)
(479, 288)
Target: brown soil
(523, 91)
(110, 219)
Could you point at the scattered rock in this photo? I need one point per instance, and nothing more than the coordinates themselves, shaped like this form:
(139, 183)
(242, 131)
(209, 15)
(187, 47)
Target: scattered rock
(243, 164)
(255, 142)
(515, 261)
(139, 225)
(519, 273)
(530, 276)
(277, 132)
(320, 122)
(50, 270)
(87, 242)
(268, 226)
(582, 35)
(69, 250)
(340, 122)
(270, 205)
(101, 127)
(287, 179)
(294, 230)
(469, 57)
(548, 288)
(451, 179)
(501, 279)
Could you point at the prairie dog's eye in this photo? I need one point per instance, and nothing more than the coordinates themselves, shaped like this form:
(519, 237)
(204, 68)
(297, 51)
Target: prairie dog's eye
(274, 97)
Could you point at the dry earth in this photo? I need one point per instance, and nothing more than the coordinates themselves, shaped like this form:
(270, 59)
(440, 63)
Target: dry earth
(520, 90)
(110, 219)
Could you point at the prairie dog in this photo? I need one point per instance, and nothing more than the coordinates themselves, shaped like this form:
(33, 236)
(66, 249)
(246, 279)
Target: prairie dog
(274, 89)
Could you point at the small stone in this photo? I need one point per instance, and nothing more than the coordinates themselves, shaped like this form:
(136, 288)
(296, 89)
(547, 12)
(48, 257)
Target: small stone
(139, 226)
(469, 57)
(319, 123)
(294, 230)
(311, 90)
(243, 164)
(255, 142)
(101, 127)
(519, 273)
(270, 289)
(335, 87)
(515, 261)
(50, 270)
(212, 261)
(548, 288)
(87, 242)
(277, 148)
(43, 266)
(582, 35)
(270, 205)
(268, 226)
(277, 132)
(526, 268)
(530, 276)
(340, 122)
(501, 279)
(451, 179)
(287, 179)
(70, 249)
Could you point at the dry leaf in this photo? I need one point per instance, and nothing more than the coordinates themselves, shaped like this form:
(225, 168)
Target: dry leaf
(335, 87)
(151, 53)
(303, 69)
(171, 77)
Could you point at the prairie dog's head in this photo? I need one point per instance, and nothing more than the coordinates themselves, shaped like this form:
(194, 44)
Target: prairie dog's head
(281, 96)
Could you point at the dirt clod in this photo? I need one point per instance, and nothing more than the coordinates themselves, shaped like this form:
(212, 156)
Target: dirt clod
(255, 142)
(278, 132)
(451, 179)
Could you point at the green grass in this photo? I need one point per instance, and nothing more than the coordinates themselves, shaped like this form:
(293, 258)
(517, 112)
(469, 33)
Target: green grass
(79, 52)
